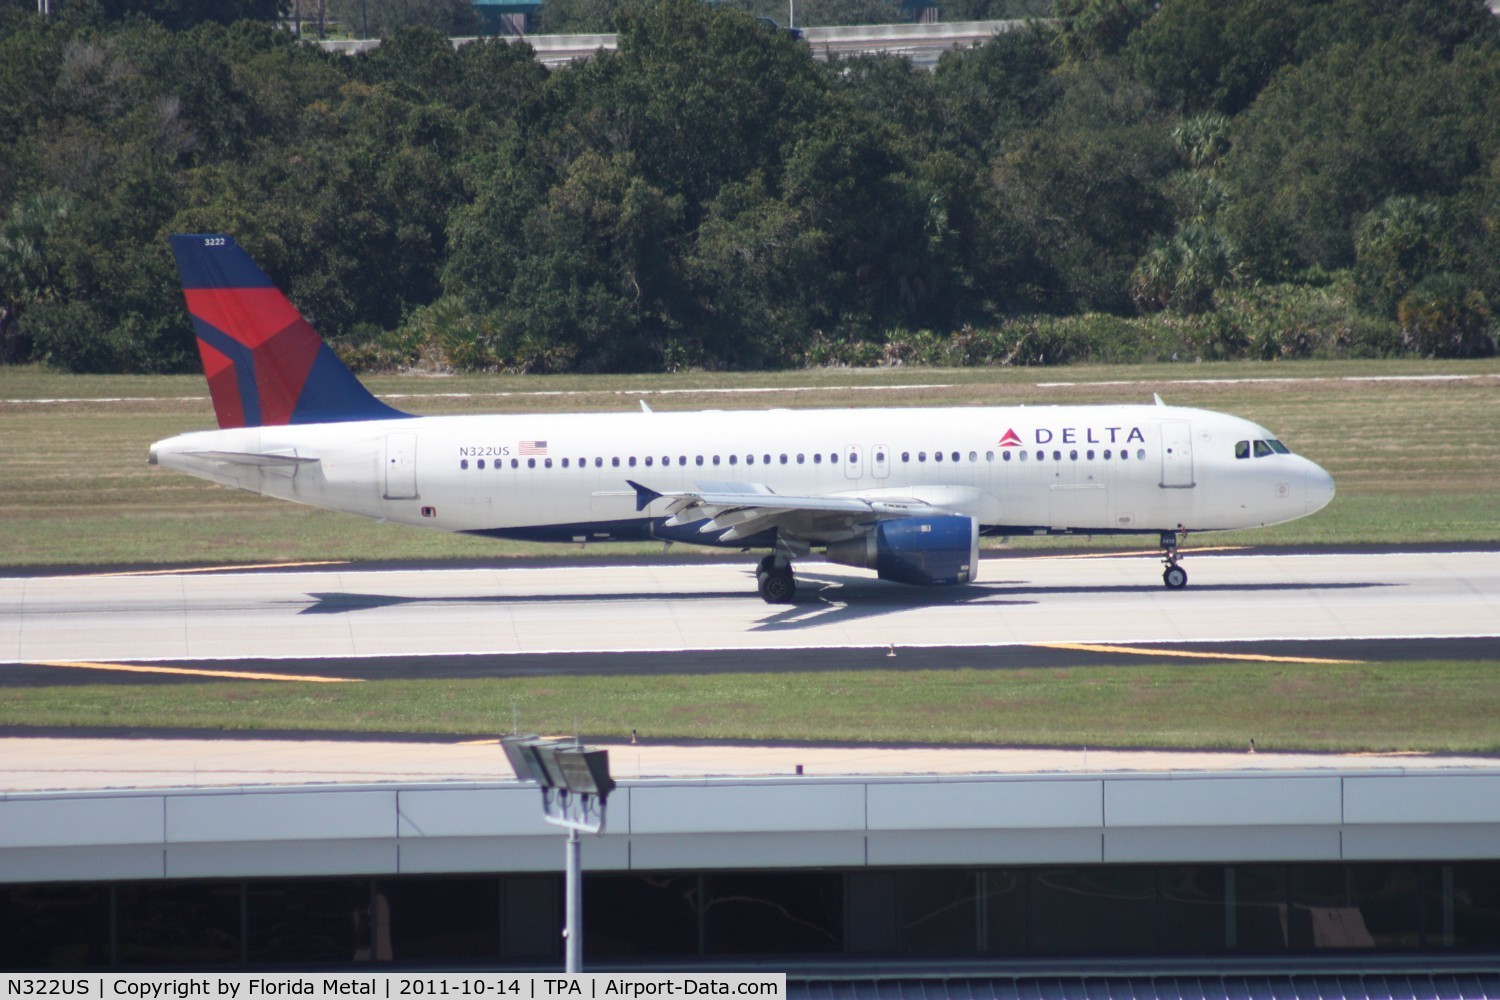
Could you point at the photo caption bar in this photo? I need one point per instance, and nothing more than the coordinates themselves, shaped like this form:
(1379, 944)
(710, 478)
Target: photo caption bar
(396, 986)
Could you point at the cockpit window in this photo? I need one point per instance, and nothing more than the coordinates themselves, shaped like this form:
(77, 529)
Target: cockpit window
(1278, 447)
(1242, 449)
(1262, 449)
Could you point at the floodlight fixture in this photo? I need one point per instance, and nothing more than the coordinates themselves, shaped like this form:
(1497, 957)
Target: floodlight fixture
(520, 751)
(585, 771)
(551, 768)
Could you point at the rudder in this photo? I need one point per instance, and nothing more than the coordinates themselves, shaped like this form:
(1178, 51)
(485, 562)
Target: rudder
(264, 363)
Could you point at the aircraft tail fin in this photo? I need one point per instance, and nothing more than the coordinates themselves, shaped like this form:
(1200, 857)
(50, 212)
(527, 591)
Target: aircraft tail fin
(264, 363)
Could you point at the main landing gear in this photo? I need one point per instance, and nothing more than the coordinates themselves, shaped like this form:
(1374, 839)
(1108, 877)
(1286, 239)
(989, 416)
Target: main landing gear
(1174, 576)
(775, 580)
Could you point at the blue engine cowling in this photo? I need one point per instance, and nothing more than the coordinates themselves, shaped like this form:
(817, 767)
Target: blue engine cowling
(920, 550)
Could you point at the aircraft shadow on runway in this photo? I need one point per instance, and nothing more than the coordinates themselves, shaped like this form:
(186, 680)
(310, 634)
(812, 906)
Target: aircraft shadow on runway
(823, 599)
(841, 599)
(340, 604)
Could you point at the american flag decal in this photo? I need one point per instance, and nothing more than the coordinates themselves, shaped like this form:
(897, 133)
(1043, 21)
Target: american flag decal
(533, 447)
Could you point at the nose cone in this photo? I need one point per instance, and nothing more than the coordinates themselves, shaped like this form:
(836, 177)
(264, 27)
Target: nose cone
(1319, 487)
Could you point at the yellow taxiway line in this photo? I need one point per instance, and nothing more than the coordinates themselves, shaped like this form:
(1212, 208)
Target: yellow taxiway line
(238, 675)
(1184, 553)
(1188, 653)
(211, 569)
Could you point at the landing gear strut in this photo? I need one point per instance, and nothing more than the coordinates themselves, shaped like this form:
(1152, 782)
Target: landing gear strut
(1174, 576)
(775, 580)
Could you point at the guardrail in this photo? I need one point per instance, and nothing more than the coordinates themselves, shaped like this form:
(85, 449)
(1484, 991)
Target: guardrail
(905, 39)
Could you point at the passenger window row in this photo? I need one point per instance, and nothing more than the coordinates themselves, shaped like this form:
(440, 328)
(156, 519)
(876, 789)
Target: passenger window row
(631, 461)
(817, 458)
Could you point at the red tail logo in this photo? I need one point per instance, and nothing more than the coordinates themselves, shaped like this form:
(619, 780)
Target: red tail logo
(265, 365)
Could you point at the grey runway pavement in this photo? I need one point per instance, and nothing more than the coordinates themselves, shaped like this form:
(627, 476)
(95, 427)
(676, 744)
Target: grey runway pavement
(555, 615)
(677, 608)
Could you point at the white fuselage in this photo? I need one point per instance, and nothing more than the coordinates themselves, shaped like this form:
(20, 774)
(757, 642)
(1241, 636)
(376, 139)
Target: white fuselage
(1081, 469)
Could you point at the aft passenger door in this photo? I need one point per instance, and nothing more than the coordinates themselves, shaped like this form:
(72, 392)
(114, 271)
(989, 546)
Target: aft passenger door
(400, 466)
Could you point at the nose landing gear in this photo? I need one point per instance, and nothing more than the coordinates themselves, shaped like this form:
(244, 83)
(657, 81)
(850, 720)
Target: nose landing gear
(1174, 576)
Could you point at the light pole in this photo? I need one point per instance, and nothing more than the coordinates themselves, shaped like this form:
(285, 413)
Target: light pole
(575, 784)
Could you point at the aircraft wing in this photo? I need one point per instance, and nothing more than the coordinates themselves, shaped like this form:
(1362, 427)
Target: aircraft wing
(741, 510)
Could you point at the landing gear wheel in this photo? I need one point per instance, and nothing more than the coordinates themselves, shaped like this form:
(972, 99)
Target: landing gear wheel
(1175, 577)
(777, 586)
(776, 582)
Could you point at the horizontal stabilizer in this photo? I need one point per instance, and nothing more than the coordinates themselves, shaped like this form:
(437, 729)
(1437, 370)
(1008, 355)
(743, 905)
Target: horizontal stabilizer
(262, 459)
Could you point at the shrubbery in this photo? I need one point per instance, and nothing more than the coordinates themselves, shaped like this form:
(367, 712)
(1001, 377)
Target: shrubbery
(1135, 181)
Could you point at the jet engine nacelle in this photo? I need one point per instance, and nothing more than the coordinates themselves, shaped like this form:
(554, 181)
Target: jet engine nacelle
(921, 550)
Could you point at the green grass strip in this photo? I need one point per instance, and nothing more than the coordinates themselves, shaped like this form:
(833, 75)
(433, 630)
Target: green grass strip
(1431, 706)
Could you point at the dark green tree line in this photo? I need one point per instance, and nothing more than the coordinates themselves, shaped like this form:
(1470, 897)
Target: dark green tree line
(1272, 176)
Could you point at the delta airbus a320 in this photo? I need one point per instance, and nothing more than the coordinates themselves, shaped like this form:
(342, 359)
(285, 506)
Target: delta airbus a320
(904, 492)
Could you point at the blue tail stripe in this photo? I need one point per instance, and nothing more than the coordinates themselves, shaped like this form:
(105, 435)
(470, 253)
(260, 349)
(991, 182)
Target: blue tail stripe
(244, 366)
(215, 270)
(333, 394)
